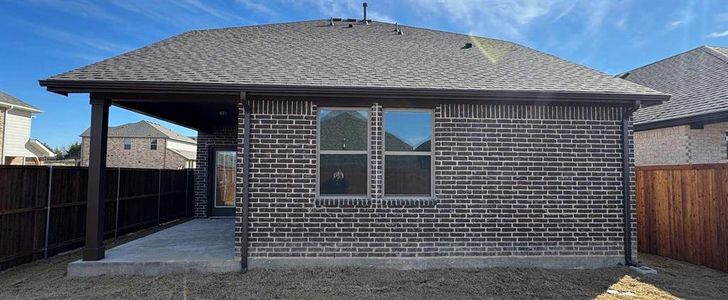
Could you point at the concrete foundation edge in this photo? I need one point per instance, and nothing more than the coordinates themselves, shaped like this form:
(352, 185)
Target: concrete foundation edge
(97, 268)
(421, 263)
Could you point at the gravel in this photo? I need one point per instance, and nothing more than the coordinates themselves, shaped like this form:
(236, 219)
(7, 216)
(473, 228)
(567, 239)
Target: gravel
(46, 280)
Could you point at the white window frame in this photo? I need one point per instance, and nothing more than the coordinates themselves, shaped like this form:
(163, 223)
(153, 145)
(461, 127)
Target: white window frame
(412, 153)
(123, 142)
(365, 151)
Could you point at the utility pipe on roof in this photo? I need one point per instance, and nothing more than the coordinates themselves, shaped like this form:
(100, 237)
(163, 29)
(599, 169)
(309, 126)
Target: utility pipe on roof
(626, 183)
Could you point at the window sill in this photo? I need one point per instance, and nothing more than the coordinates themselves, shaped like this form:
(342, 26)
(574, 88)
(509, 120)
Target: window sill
(409, 201)
(344, 202)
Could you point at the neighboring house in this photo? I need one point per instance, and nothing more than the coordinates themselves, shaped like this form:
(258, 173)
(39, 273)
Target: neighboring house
(16, 146)
(337, 142)
(145, 145)
(692, 127)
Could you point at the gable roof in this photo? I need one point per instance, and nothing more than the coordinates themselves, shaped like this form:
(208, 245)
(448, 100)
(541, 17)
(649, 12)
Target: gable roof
(313, 54)
(10, 100)
(144, 129)
(696, 79)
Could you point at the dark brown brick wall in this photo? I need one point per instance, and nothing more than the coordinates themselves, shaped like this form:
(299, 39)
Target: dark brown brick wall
(511, 180)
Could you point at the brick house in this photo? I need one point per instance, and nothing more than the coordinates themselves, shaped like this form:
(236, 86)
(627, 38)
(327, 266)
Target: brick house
(144, 145)
(692, 127)
(343, 142)
(16, 145)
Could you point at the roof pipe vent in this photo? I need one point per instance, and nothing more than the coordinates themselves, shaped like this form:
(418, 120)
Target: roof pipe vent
(364, 5)
(399, 30)
(468, 46)
(331, 22)
(396, 26)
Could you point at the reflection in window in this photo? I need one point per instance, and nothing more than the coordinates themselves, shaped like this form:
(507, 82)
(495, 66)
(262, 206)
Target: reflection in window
(343, 140)
(153, 144)
(127, 143)
(408, 153)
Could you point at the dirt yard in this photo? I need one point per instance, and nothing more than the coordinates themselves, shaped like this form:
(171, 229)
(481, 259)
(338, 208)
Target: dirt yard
(46, 279)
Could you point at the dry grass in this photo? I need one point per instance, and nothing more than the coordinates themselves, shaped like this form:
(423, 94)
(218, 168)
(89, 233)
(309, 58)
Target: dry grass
(46, 279)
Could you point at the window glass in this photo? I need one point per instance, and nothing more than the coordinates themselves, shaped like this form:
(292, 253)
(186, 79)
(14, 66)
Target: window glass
(407, 174)
(153, 144)
(127, 144)
(343, 141)
(343, 129)
(343, 174)
(408, 153)
(407, 130)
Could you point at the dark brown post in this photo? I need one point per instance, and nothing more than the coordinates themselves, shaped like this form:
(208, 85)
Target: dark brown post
(94, 249)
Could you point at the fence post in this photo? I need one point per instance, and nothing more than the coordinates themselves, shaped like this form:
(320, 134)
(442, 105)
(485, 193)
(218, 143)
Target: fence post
(48, 212)
(159, 196)
(118, 190)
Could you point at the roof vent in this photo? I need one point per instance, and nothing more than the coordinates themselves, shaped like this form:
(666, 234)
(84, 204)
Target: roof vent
(365, 11)
(351, 25)
(468, 46)
(331, 22)
(396, 26)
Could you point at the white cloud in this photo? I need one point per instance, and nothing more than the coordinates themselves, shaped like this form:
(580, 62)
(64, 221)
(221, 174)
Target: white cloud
(258, 7)
(682, 17)
(718, 34)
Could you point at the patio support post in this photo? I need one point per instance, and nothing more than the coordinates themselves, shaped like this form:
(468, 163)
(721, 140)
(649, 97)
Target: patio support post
(94, 249)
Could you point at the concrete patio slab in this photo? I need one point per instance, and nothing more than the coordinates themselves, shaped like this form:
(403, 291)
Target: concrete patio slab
(200, 245)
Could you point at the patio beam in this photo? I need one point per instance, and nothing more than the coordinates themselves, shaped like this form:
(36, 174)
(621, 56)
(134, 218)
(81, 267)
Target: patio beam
(94, 249)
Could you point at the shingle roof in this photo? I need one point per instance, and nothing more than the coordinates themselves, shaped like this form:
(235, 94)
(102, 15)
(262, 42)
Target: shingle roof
(11, 100)
(696, 79)
(144, 129)
(189, 155)
(314, 54)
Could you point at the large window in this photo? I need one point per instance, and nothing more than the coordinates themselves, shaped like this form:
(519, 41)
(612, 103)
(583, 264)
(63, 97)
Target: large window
(343, 142)
(407, 153)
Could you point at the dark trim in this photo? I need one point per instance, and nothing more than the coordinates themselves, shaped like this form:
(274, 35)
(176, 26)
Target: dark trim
(246, 183)
(716, 117)
(94, 248)
(142, 87)
(211, 158)
(626, 184)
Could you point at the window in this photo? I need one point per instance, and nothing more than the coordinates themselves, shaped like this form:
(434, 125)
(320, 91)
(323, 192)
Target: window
(153, 144)
(408, 153)
(127, 144)
(343, 161)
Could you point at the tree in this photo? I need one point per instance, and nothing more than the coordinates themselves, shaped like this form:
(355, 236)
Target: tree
(73, 151)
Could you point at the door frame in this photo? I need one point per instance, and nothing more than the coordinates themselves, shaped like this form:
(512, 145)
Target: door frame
(213, 211)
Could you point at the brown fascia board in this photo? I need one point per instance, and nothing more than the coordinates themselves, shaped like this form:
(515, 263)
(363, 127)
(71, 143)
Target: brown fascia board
(65, 87)
(708, 118)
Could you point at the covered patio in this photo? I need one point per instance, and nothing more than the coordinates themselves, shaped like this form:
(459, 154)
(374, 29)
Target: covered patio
(198, 245)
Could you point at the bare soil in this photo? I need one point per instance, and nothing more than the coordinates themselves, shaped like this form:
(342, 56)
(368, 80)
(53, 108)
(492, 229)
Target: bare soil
(47, 280)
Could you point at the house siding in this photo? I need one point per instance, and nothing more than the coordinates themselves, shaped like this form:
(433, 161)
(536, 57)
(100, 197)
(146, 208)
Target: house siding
(511, 181)
(2, 134)
(681, 145)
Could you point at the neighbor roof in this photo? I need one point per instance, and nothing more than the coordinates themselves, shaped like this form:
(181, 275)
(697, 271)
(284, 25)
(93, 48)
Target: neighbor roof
(314, 54)
(144, 129)
(696, 79)
(8, 99)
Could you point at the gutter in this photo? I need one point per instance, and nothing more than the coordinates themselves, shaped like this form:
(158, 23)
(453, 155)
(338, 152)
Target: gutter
(5, 132)
(246, 184)
(65, 87)
(626, 183)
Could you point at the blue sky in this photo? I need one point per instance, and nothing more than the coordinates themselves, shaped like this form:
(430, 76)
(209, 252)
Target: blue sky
(45, 37)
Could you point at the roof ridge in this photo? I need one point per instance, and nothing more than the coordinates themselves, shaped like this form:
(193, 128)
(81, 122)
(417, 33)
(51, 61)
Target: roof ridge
(718, 54)
(664, 59)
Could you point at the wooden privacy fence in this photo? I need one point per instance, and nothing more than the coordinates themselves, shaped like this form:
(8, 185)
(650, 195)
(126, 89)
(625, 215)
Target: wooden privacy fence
(43, 209)
(682, 213)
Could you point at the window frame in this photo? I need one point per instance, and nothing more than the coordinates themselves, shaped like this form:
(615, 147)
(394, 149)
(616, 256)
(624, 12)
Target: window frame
(408, 153)
(366, 151)
(123, 143)
(153, 144)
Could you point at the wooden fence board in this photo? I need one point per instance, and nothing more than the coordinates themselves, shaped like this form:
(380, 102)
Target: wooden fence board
(24, 205)
(682, 213)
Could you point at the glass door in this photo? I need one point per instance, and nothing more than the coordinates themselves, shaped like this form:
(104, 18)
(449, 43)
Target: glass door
(222, 200)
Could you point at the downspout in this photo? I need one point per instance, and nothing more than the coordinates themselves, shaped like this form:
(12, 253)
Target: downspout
(5, 133)
(246, 184)
(626, 183)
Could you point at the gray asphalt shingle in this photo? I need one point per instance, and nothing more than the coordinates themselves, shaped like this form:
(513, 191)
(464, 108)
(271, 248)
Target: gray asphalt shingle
(312, 53)
(144, 129)
(12, 100)
(696, 79)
